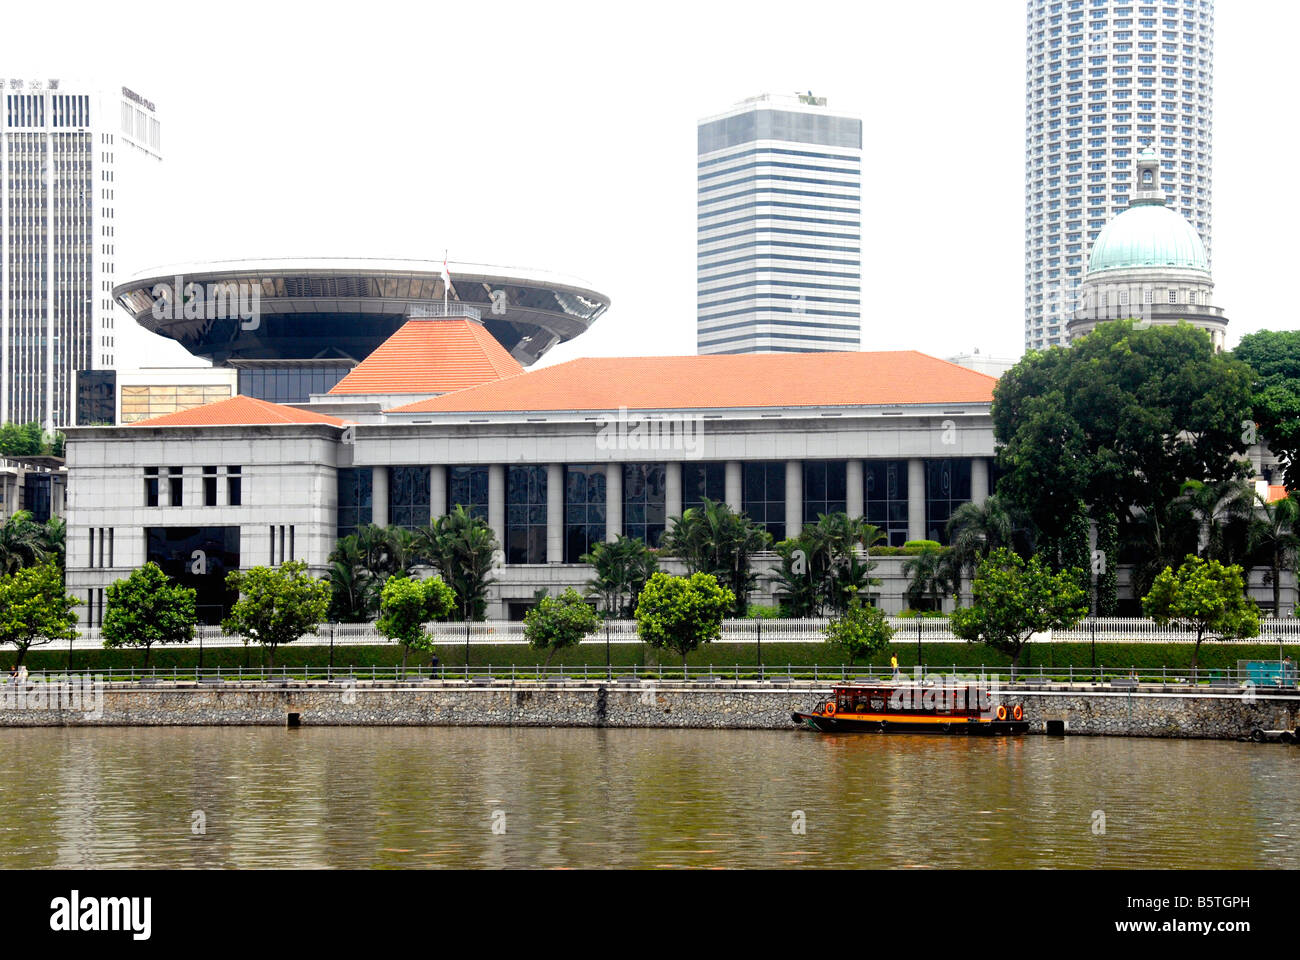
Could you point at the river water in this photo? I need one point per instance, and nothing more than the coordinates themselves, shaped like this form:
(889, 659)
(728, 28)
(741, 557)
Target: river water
(489, 797)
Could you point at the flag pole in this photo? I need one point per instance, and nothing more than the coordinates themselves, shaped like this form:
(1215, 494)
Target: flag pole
(446, 281)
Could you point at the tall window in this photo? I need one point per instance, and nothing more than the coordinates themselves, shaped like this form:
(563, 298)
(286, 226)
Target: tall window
(408, 497)
(468, 487)
(356, 503)
(825, 488)
(151, 486)
(526, 515)
(176, 486)
(644, 510)
(884, 496)
(764, 499)
(584, 510)
(700, 480)
(209, 486)
(234, 486)
(947, 487)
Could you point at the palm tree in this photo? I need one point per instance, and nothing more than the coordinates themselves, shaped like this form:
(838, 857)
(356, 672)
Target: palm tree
(464, 549)
(354, 589)
(714, 539)
(23, 543)
(973, 530)
(622, 569)
(1215, 507)
(930, 573)
(1275, 531)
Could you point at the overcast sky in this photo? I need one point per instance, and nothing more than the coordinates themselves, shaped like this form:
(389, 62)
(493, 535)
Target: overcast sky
(561, 136)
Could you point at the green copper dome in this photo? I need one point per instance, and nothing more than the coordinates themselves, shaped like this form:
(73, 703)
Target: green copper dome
(1148, 235)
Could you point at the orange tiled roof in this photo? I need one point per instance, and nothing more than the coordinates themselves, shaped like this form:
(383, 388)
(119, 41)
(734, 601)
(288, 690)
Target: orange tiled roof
(238, 411)
(1276, 492)
(725, 381)
(431, 356)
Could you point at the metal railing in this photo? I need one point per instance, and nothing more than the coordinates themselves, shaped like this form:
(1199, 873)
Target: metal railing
(1207, 680)
(809, 630)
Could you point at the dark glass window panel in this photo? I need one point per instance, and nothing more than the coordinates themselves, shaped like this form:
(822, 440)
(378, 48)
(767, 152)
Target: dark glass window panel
(764, 500)
(172, 548)
(584, 509)
(468, 487)
(356, 508)
(885, 498)
(947, 486)
(408, 497)
(526, 514)
(701, 480)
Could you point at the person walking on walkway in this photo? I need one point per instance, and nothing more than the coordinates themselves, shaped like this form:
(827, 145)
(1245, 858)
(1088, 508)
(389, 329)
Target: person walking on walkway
(893, 664)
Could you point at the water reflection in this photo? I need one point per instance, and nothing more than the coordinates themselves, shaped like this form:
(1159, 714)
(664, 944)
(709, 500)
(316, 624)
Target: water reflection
(429, 797)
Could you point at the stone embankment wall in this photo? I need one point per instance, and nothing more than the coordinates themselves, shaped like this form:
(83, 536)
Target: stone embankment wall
(1150, 712)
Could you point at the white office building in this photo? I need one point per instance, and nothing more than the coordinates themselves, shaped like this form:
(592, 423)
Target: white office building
(779, 228)
(76, 159)
(1103, 80)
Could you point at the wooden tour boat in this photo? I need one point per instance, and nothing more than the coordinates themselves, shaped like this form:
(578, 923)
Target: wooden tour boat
(956, 708)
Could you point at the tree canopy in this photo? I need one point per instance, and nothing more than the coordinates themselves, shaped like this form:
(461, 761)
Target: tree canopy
(148, 608)
(276, 605)
(35, 609)
(559, 622)
(1274, 356)
(681, 613)
(1205, 598)
(714, 539)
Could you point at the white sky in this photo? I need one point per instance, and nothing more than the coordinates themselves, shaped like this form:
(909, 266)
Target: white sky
(561, 136)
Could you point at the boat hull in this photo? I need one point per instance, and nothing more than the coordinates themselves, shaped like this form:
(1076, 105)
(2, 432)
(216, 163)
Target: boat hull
(957, 726)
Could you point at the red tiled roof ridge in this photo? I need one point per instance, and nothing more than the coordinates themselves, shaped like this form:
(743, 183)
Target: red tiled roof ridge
(431, 355)
(239, 411)
(722, 381)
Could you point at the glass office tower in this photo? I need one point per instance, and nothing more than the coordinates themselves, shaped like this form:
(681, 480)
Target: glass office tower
(74, 161)
(780, 228)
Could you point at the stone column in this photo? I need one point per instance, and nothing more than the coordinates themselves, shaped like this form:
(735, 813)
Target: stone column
(437, 491)
(379, 496)
(613, 501)
(555, 513)
(915, 499)
(735, 485)
(672, 492)
(979, 479)
(793, 498)
(854, 480)
(497, 502)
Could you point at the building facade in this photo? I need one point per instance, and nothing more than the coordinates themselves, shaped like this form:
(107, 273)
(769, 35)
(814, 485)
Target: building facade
(555, 460)
(779, 228)
(1103, 79)
(77, 161)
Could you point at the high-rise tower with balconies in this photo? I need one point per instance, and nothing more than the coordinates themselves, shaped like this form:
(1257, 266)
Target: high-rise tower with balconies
(1103, 80)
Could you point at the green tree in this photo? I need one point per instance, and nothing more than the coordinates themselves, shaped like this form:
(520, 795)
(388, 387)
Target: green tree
(714, 539)
(1274, 358)
(276, 605)
(1275, 531)
(463, 549)
(860, 631)
(35, 609)
(148, 608)
(973, 530)
(1121, 420)
(930, 576)
(406, 605)
(1205, 598)
(559, 622)
(1220, 514)
(826, 565)
(26, 543)
(354, 588)
(682, 613)
(1012, 599)
(622, 569)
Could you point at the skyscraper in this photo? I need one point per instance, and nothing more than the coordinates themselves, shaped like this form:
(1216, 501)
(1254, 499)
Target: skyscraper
(1103, 80)
(779, 246)
(76, 160)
